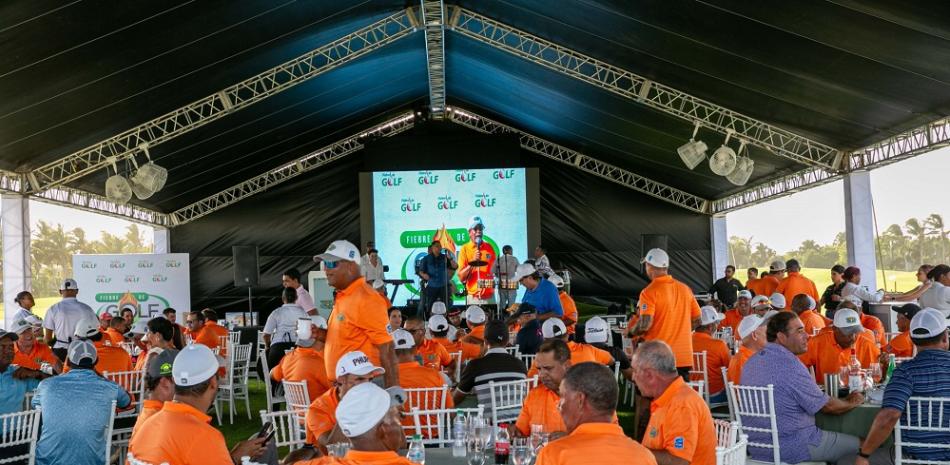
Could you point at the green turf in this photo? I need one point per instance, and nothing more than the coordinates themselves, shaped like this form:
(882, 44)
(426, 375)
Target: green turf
(242, 427)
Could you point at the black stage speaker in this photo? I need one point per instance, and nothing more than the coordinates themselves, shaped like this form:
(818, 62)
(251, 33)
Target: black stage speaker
(652, 241)
(247, 273)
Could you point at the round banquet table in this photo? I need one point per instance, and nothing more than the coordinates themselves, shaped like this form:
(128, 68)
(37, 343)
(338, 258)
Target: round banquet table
(857, 422)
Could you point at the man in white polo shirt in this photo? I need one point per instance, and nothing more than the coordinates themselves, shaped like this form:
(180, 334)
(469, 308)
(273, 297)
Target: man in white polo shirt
(63, 316)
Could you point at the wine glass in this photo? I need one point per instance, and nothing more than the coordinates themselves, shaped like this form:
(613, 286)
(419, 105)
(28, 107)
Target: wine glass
(521, 453)
(876, 373)
(475, 450)
(535, 440)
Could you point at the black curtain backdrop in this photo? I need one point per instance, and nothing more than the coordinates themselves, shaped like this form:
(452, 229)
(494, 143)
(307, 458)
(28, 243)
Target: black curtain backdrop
(589, 225)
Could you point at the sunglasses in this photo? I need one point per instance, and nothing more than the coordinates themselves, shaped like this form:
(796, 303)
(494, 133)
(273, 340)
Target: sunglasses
(327, 265)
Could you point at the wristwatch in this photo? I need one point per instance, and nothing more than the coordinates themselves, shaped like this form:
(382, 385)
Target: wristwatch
(863, 455)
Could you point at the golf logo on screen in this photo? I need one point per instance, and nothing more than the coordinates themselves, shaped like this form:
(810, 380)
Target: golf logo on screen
(484, 201)
(88, 265)
(142, 303)
(446, 202)
(503, 174)
(145, 264)
(410, 205)
(464, 176)
(103, 279)
(391, 180)
(426, 178)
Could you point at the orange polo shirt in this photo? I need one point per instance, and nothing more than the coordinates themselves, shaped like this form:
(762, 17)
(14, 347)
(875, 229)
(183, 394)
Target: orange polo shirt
(900, 345)
(111, 359)
(116, 337)
(827, 357)
(732, 320)
(465, 255)
(358, 322)
(472, 351)
(812, 322)
(794, 284)
(673, 307)
(570, 310)
(717, 357)
(874, 324)
(595, 443)
(149, 407)
(736, 363)
(321, 416)
(213, 331)
(354, 457)
(450, 347)
(182, 435)
(540, 408)
(581, 353)
(303, 364)
(32, 360)
(207, 337)
(764, 286)
(433, 354)
(413, 376)
(680, 424)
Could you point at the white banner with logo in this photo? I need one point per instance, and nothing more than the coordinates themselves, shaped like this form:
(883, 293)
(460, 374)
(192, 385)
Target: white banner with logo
(146, 283)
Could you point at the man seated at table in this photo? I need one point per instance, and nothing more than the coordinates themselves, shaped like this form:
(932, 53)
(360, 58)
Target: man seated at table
(540, 406)
(496, 365)
(831, 350)
(902, 344)
(804, 306)
(926, 375)
(554, 328)
(430, 353)
(412, 375)
(797, 399)
(31, 353)
(680, 431)
(597, 334)
(590, 394)
(752, 333)
(735, 315)
(352, 369)
(305, 362)
(471, 343)
(717, 353)
(761, 305)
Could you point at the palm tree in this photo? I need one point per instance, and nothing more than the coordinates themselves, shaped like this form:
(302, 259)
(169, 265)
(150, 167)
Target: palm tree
(918, 232)
(936, 228)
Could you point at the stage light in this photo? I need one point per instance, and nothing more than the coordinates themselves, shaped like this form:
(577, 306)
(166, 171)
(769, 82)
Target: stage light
(693, 152)
(118, 190)
(743, 170)
(723, 160)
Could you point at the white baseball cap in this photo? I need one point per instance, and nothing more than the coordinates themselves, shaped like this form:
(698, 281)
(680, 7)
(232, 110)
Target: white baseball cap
(82, 350)
(749, 324)
(778, 300)
(476, 221)
(523, 270)
(356, 363)
(438, 308)
(475, 315)
(811, 302)
(777, 265)
(657, 257)
(86, 328)
(709, 315)
(928, 322)
(438, 323)
(553, 327)
(596, 331)
(847, 321)
(744, 294)
(760, 300)
(139, 327)
(362, 408)
(339, 250)
(557, 281)
(319, 321)
(194, 364)
(69, 283)
(403, 339)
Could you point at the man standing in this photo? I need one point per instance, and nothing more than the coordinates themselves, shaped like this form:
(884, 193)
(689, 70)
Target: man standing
(541, 294)
(804, 306)
(752, 276)
(505, 268)
(291, 280)
(727, 287)
(358, 320)
(280, 330)
(372, 266)
(795, 283)
(434, 270)
(305, 362)
(62, 317)
(668, 311)
(541, 261)
(477, 279)
(496, 365)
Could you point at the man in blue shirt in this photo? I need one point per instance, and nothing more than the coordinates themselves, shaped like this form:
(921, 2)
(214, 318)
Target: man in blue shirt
(541, 293)
(76, 410)
(926, 375)
(15, 382)
(434, 269)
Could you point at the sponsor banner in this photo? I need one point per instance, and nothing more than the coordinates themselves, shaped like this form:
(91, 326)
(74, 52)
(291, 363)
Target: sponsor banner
(145, 283)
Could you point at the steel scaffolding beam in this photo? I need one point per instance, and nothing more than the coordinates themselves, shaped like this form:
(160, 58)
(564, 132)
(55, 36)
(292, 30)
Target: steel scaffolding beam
(640, 89)
(774, 188)
(288, 171)
(226, 101)
(580, 161)
(433, 22)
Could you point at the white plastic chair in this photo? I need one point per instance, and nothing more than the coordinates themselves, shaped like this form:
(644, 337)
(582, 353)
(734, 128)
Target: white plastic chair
(424, 399)
(734, 454)
(131, 348)
(134, 383)
(288, 432)
(527, 359)
(758, 402)
(19, 429)
(27, 399)
(107, 434)
(234, 387)
(725, 379)
(234, 338)
(439, 431)
(513, 350)
(697, 386)
(507, 398)
(256, 355)
(922, 414)
(727, 432)
(298, 397)
(273, 396)
(457, 358)
(698, 373)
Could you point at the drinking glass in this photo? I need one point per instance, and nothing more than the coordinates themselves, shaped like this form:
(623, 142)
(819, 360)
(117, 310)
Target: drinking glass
(535, 439)
(475, 450)
(521, 453)
(876, 373)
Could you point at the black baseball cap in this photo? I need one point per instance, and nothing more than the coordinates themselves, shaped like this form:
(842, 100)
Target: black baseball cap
(10, 334)
(525, 309)
(496, 331)
(908, 310)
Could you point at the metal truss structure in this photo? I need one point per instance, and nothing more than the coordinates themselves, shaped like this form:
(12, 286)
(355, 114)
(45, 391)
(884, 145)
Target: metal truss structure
(226, 101)
(433, 22)
(582, 162)
(640, 89)
(775, 188)
(288, 171)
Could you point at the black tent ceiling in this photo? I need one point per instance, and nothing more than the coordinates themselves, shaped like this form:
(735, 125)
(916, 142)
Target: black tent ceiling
(845, 73)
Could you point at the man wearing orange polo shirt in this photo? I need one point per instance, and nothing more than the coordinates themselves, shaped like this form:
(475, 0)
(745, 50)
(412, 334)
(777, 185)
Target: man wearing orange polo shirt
(430, 353)
(159, 383)
(717, 352)
(115, 335)
(414, 376)
(590, 402)
(540, 406)
(352, 369)
(752, 331)
(111, 359)
(32, 354)
(305, 362)
(804, 306)
(554, 328)
(472, 342)
(212, 326)
(830, 350)
(752, 280)
(734, 316)
(681, 428)
(796, 283)
(359, 319)
(901, 345)
(197, 322)
(180, 433)
(567, 304)
(668, 311)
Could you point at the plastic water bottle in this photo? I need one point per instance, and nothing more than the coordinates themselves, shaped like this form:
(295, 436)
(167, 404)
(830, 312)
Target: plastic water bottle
(458, 434)
(891, 364)
(417, 453)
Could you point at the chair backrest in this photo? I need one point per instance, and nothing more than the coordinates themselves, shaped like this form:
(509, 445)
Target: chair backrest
(923, 415)
(134, 383)
(457, 358)
(234, 338)
(435, 426)
(131, 348)
(727, 432)
(527, 359)
(698, 386)
(725, 379)
(107, 434)
(134, 461)
(755, 402)
(298, 398)
(16, 430)
(617, 371)
(513, 350)
(698, 373)
(507, 398)
(424, 399)
(287, 428)
(734, 454)
(241, 362)
(272, 397)
(28, 399)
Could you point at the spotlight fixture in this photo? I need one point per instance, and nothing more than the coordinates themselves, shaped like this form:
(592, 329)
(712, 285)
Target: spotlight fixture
(743, 170)
(118, 190)
(723, 160)
(693, 152)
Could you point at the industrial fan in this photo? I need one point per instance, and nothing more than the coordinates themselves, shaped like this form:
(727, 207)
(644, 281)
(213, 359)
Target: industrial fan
(693, 152)
(118, 189)
(148, 178)
(743, 171)
(723, 160)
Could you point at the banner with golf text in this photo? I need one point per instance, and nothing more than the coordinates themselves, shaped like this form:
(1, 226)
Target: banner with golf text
(146, 283)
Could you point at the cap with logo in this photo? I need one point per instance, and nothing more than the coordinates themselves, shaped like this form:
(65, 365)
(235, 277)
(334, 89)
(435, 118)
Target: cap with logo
(657, 257)
(19, 327)
(438, 323)
(475, 315)
(557, 281)
(778, 300)
(476, 221)
(524, 270)
(11, 335)
(709, 315)
(438, 308)
(86, 328)
(927, 323)
(193, 365)
(496, 331)
(160, 364)
(744, 294)
(760, 301)
(68, 284)
(339, 250)
(362, 408)
(596, 331)
(139, 327)
(908, 310)
(402, 339)
(777, 265)
(847, 321)
(553, 327)
(749, 324)
(356, 363)
(82, 351)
